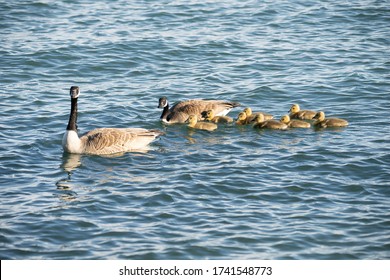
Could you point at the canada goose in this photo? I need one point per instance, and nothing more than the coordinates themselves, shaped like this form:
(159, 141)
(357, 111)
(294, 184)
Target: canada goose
(210, 116)
(241, 119)
(251, 116)
(103, 141)
(272, 124)
(180, 111)
(322, 122)
(294, 123)
(296, 113)
(193, 123)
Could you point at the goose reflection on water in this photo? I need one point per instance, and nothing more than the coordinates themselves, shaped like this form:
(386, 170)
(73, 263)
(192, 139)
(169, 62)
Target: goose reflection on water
(69, 163)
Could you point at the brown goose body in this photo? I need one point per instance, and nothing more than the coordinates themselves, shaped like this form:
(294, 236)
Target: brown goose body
(180, 111)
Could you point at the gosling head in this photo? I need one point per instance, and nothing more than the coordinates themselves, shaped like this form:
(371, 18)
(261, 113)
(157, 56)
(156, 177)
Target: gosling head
(259, 118)
(285, 119)
(320, 116)
(192, 120)
(209, 115)
(248, 111)
(241, 116)
(294, 109)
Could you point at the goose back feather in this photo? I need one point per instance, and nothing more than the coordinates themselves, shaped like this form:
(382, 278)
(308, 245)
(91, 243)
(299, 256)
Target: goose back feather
(180, 111)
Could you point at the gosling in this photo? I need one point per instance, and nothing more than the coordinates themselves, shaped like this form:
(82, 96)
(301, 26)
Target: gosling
(241, 119)
(322, 122)
(193, 123)
(294, 123)
(271, 124)
(251, 116)
(297, 113)
(210, 116)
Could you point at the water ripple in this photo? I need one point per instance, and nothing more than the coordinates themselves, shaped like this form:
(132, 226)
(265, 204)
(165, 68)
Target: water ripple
(233, 193)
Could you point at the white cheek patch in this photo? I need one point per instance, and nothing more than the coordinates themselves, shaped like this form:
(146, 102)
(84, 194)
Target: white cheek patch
(78, 94)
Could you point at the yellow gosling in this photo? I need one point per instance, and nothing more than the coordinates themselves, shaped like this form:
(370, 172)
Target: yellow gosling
(210, 116)
(251, 116)
(294, 123)
(297, 113)
(322, 122)
(193, 123)
(271, 124)
(241, 119)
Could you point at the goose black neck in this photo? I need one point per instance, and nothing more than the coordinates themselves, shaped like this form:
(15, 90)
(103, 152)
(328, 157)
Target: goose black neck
(72, 124)
(165, 112)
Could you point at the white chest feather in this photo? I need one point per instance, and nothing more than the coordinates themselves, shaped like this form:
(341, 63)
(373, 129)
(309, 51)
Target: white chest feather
(71, 142)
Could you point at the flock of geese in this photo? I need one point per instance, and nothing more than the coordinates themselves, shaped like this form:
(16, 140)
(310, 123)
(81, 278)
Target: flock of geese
(199, 114)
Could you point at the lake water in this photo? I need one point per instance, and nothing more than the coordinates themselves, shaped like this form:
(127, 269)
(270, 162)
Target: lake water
(236, 193)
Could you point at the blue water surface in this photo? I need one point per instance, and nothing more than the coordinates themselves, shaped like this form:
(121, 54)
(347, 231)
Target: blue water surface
(236, 193)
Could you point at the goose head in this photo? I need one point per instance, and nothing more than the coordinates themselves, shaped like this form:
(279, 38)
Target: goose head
(162, 102)
(74, 92)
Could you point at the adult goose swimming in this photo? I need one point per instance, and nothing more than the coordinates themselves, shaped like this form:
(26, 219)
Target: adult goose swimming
(180, 112)
(103, 141)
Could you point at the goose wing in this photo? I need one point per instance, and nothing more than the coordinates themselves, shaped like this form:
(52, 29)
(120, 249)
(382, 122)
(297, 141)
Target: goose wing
(115, 140)
(181, 111)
